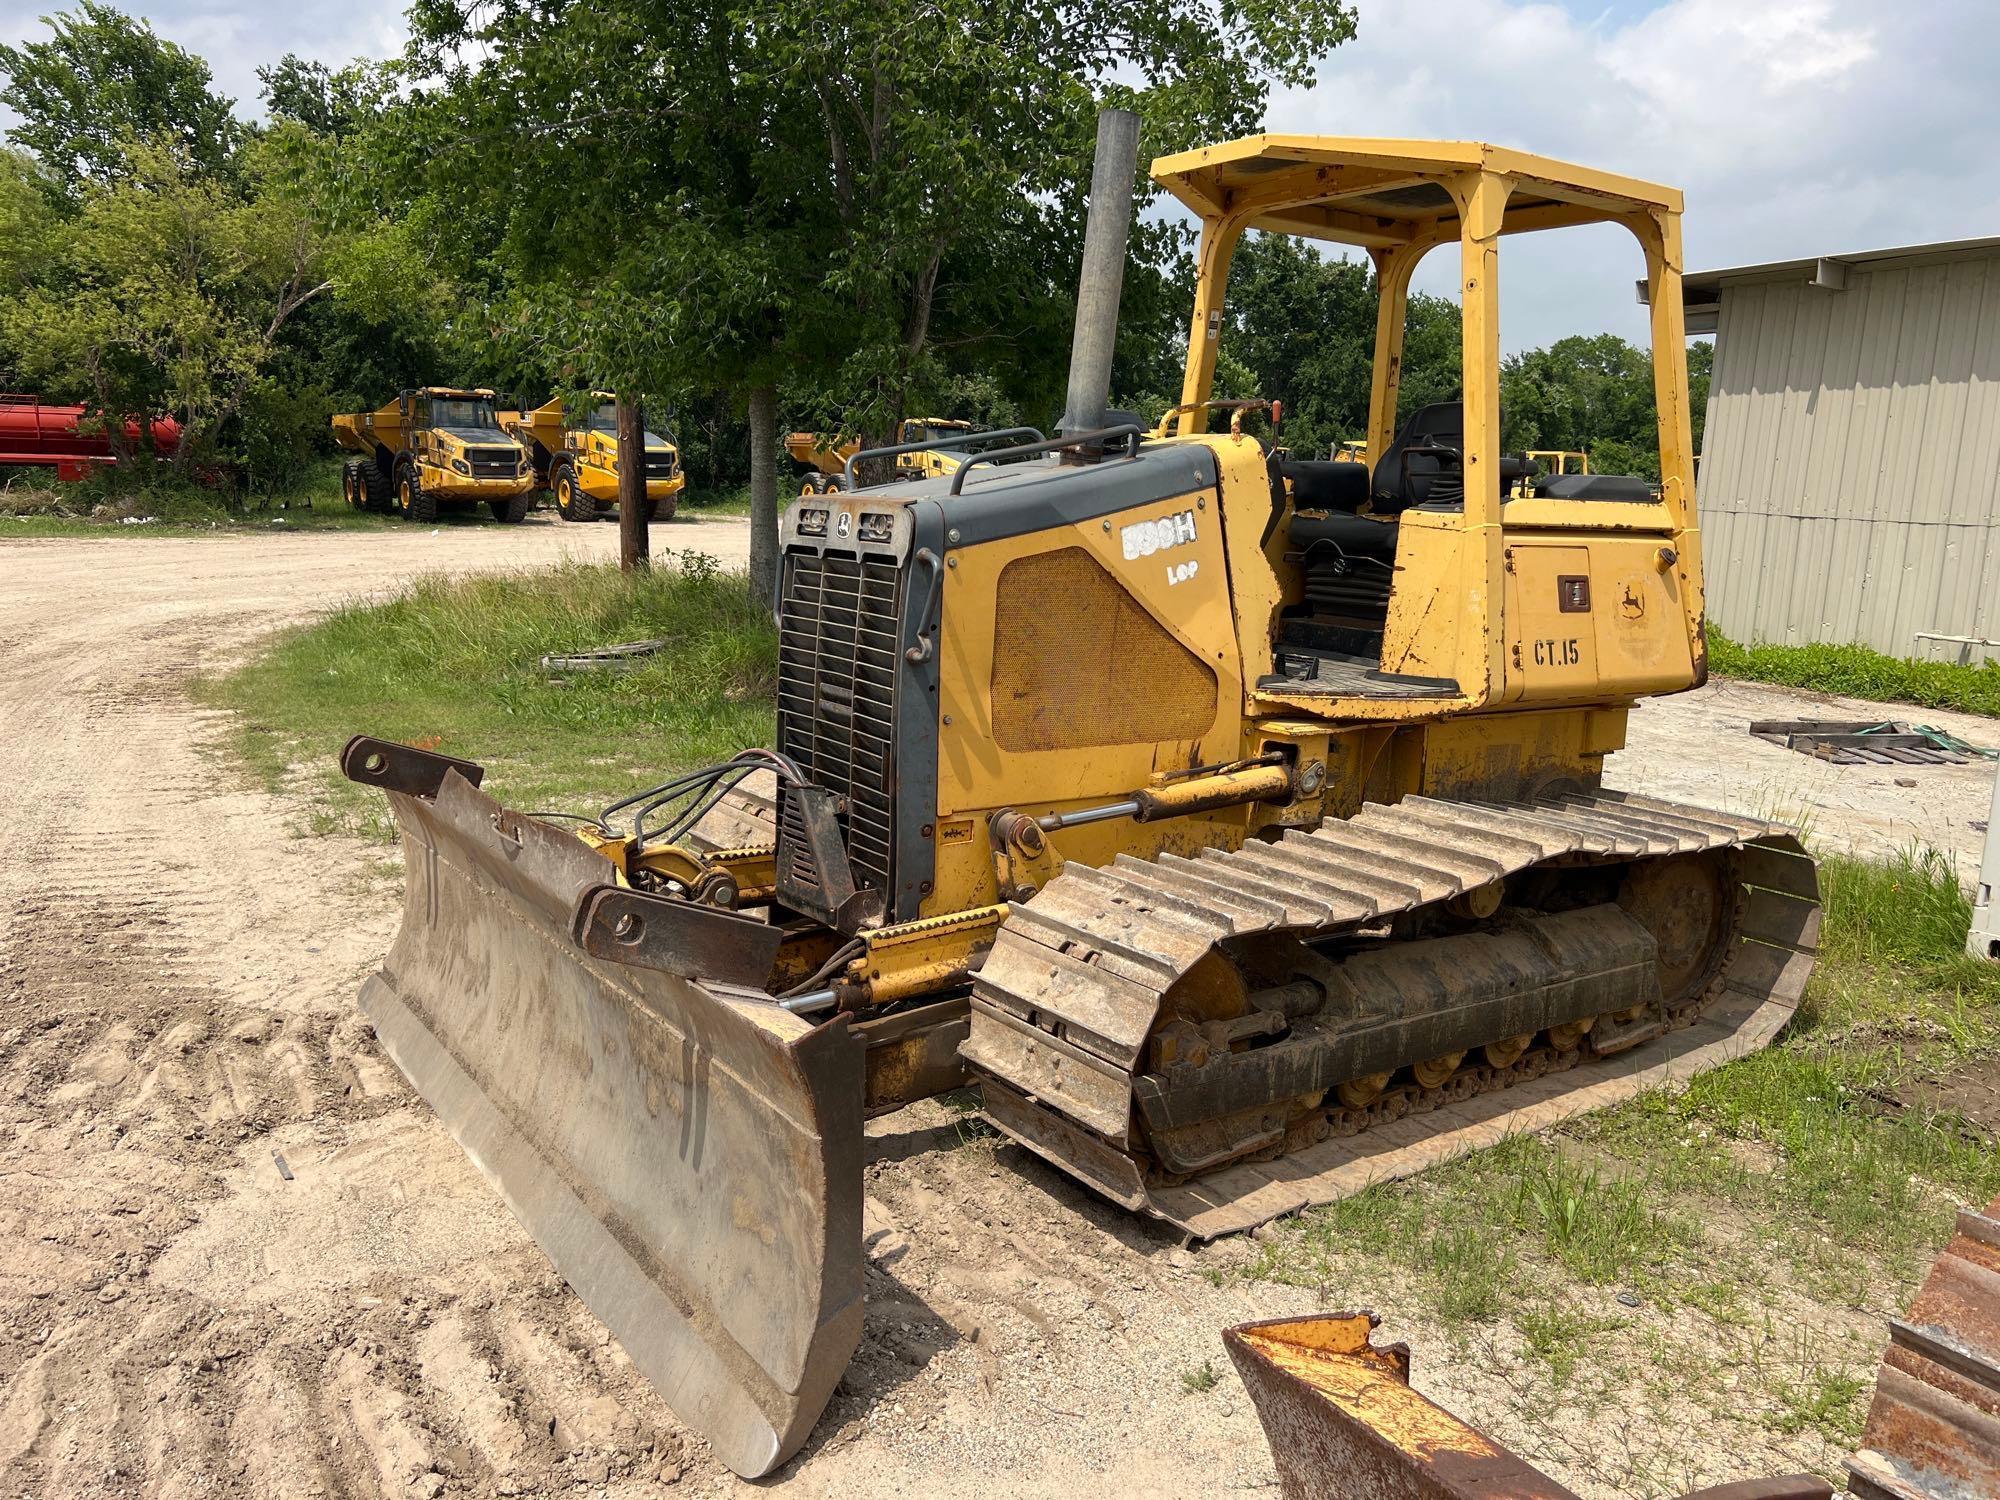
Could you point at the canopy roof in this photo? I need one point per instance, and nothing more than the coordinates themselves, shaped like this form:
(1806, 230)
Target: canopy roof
(1382, 193)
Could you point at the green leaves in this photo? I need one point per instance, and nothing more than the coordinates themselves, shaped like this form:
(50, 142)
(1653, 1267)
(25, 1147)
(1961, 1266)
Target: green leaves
(867, 202)
(102, 80)
(1303, 324)
(165, 290)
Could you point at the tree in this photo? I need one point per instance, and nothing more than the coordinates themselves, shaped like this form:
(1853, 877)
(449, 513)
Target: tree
(169, 291)
(29, 227)
(1588, 393)
(1701, 371)
(859, 202)
(333, 103)
(1303, 323)
(102, 80)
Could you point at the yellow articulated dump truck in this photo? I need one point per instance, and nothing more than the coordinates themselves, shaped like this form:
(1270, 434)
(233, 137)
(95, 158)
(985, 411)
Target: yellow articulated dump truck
(1238, 824)
(577, 458)
(433, 449)
(924, 447)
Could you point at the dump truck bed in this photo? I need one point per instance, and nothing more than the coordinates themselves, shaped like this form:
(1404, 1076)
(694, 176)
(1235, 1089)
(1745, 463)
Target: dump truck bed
(365, 431)
(540, 424)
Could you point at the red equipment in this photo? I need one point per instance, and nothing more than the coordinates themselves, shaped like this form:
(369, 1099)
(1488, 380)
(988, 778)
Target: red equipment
(35, 434)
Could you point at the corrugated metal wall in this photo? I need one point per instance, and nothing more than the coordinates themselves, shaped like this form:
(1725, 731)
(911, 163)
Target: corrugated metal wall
(1850, 480)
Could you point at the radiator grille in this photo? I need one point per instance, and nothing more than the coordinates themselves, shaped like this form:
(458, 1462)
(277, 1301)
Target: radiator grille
(493, 463)
(660, 465)
(837, 664)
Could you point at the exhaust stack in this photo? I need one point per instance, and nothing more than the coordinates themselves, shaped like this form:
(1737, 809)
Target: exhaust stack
(1103, 279)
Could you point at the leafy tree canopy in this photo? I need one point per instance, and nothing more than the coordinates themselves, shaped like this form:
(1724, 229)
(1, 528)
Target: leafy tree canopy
(101, 80)
(861, 201)
(1303, 324)
(168, 291)
(329, 102)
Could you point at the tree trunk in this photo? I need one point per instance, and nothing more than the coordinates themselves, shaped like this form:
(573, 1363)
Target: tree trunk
(635, 543)
(764, 494)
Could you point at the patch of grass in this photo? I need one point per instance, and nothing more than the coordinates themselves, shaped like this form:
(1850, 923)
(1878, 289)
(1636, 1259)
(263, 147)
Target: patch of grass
(1202, 1378)
(1598, 1229)
(453, 664)
(1860, 672)
(1465, 1266)
(1826, 1400)
(32, 503)
(727, 501)
(1561, 1337)
(1909, 915)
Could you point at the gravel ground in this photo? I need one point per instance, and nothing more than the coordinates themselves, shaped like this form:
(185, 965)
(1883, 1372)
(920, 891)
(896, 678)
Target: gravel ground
(180, 1316)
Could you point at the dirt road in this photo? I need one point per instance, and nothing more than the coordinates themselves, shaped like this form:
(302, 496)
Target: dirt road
(239, 1258)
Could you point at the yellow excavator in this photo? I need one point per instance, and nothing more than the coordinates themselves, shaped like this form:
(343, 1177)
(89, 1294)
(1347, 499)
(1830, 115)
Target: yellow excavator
(1236, 823)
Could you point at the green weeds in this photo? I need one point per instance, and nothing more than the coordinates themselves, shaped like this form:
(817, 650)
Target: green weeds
(1860, 672)
(454, 664)
(1809, 1177)
(1201, 1379)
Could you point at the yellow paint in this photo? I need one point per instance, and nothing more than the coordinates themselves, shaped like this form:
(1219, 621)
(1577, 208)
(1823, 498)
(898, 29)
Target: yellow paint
(591, 457)
(397, 436)
(975, 775)
(1478, 595)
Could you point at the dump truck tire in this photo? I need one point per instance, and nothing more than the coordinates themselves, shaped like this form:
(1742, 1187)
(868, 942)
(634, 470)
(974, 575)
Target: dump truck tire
(374, 487)
(416, 503)
(572, 504)
(649, 510)
(512, 510)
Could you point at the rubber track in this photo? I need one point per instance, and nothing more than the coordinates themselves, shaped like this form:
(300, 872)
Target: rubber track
(1064, 1004)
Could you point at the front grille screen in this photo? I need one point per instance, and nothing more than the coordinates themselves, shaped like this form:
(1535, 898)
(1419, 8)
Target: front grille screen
(837, 661)
(493, 463)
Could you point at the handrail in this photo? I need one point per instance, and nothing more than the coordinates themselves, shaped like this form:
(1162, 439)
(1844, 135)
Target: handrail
(951, 441)
(1131, 431)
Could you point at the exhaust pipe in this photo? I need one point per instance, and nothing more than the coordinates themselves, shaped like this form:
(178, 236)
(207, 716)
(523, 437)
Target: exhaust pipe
(1103, 279)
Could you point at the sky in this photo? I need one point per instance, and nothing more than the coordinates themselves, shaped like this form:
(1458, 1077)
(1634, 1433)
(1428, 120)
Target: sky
(1795, 127)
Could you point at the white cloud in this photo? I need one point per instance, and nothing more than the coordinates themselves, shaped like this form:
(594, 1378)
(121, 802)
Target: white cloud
(1795, 127)
(236, 37)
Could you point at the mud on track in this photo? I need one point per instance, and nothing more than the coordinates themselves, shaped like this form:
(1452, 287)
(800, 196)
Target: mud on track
(177, 976)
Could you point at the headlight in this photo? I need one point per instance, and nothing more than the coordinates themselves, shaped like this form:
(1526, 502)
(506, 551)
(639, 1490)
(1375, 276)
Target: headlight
(460, 466)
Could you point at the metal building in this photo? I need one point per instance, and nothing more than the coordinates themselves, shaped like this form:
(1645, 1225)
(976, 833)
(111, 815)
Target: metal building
(1849, 487)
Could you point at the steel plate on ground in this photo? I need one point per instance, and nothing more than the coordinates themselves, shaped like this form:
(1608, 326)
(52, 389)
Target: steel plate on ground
(689, 1161)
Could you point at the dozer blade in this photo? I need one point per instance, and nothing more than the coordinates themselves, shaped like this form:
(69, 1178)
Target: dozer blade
(1344, 1424)
(687, 1153)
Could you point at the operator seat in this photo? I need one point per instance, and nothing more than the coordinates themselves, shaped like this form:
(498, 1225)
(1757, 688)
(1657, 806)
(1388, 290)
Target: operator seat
(1441, 424)
(1433, 479)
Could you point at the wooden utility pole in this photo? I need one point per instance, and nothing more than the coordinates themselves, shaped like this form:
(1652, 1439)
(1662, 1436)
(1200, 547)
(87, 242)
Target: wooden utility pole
(635, 542)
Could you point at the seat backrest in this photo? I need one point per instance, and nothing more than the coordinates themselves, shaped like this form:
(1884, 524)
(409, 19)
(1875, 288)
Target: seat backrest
(1323, 484)
(1442, 423)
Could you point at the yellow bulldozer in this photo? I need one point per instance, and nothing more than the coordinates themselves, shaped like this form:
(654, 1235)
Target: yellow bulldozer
(432, 449)
(1236, 824)
(576, 459)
